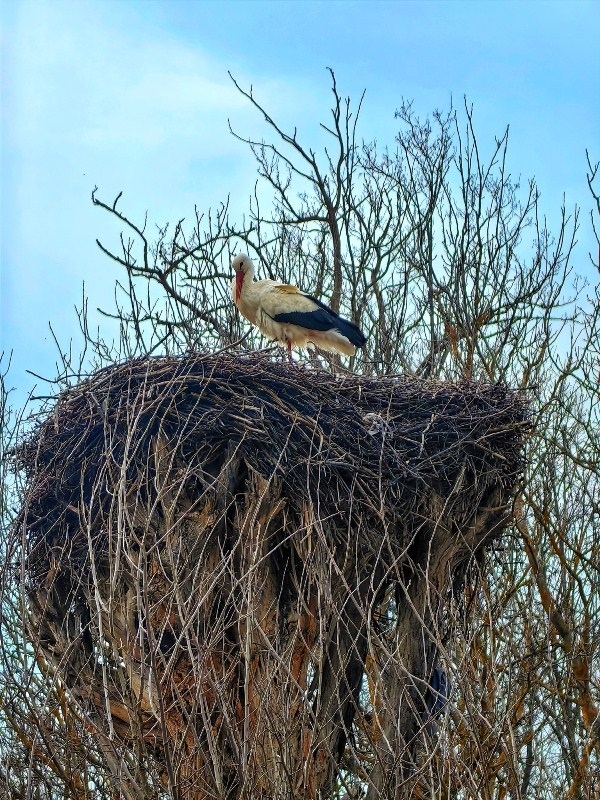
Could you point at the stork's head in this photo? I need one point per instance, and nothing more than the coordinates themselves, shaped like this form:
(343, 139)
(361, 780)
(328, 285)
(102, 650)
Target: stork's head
(242, 266)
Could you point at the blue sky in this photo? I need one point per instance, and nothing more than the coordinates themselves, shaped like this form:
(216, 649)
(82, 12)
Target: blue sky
(135, 96)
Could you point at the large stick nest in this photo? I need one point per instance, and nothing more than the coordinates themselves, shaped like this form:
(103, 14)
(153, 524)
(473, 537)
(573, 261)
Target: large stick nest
(164, 456)
(381, 447)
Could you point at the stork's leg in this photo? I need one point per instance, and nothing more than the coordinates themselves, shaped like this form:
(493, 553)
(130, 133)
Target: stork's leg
(289, 349)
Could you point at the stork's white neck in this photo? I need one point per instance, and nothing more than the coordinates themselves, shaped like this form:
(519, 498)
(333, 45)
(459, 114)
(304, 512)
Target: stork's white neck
(243, 280)
(249, 274)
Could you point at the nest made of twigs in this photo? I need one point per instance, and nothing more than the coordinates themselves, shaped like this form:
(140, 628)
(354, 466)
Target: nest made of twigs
(381, 447)
(164, 479)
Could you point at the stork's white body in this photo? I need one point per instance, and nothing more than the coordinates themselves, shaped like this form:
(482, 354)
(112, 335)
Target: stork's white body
(288, 315)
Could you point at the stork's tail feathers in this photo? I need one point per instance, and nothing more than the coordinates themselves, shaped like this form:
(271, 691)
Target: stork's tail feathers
(348, 329)
(351, 331)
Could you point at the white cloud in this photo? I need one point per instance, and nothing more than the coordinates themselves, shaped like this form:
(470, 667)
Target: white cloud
(93, 98)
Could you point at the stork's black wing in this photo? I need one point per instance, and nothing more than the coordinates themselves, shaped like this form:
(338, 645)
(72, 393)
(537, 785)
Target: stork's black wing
(322, 318)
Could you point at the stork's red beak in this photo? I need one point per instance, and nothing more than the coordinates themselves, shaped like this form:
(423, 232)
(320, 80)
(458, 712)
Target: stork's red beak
(239, 279)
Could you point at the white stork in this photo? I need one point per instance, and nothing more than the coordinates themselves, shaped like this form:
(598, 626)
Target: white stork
(286, 314)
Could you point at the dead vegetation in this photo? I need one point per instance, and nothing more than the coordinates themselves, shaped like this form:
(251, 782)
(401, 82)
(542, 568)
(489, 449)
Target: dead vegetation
(239, 570)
